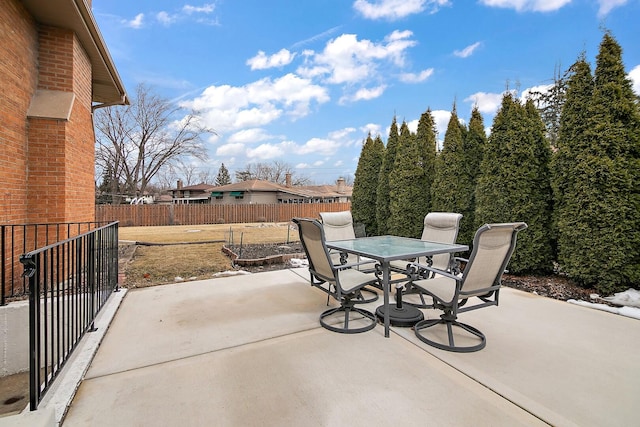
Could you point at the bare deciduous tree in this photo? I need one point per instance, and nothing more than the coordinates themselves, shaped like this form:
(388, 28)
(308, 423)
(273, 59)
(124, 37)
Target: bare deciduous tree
(137, 141)
(273, 172)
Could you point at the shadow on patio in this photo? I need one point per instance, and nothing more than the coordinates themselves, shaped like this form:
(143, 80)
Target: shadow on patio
(249, 350)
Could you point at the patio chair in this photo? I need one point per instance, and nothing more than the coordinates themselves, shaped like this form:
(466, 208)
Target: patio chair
(341, 282)
(441, 227)
(340, 226)
(493, 246)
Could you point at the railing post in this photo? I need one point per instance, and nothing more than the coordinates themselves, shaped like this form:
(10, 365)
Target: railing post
(31, 268)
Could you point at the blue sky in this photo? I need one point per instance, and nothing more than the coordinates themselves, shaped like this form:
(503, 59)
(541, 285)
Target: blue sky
(304, 81)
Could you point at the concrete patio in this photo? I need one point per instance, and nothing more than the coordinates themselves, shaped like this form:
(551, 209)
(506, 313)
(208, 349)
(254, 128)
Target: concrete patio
(249, 351)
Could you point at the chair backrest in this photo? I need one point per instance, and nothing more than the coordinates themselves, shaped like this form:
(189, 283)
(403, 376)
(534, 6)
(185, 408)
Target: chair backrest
(441, 227)
(337, 225)
(313, 242)
(493, 246)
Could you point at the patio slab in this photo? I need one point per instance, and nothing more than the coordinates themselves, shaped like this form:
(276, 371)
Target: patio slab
(248, 350)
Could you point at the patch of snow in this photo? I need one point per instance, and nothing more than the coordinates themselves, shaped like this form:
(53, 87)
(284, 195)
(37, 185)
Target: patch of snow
(628, 298)
(297, 262)
(228, 273)
(178, 279)
(632, 312)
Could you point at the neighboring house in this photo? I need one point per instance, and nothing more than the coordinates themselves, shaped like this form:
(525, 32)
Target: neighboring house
(55, 70)
(199, 193)
(263, 192)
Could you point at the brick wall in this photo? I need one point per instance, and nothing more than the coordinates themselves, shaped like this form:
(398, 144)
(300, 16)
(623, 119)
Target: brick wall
(18, 77)
(61, 152)
(46, 166)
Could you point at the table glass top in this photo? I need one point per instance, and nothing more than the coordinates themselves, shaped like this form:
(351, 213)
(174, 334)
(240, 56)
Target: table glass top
(389, 248)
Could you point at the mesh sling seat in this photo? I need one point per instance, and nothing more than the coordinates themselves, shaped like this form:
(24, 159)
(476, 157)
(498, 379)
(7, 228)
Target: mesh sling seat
(493, 246)
(341, 282)
(441, 227)
(340, 226)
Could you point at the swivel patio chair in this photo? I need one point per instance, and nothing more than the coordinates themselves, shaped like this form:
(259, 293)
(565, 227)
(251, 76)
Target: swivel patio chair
(341, 282)
(441, 227)
(493, 246)
(340, 226)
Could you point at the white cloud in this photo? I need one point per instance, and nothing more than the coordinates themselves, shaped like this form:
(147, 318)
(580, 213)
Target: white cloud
(396, 9)
(526, 94)
(634, 75)
(229, 108)
(321, 146)
(341, 133)
(416, 78)
(372, 128)
(165, 19)
(364, 94)
(346, 59)
(488, 103)
(413, 125)
(441, 119)
(607, 6)
(528, 5)
(467, 51)
(230, 149)
(265, 152)
(261, 61)
(136, 22)
(247, 136)
(205, 8)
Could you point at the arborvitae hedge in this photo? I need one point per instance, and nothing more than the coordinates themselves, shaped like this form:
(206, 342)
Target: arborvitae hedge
(599, 225)
(473, 147)
(407, 201)
(514, 183)
(365, 184)
(452, 188)
(382, 196)
(426, 141)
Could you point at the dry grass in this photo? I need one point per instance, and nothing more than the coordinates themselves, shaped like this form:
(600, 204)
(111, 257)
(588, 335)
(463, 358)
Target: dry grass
(156, 265)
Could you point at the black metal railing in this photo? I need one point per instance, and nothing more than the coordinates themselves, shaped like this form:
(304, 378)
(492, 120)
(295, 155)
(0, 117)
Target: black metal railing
(17, 239)
(69, 282)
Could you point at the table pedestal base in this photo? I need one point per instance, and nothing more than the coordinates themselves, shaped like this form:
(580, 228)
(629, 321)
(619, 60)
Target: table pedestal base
(404, 316)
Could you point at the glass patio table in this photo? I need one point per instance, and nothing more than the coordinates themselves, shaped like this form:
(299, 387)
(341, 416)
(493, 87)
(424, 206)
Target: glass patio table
(385, 249)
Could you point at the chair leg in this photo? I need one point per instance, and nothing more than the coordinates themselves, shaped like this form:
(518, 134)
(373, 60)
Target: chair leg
(449, 320)
(348, 308)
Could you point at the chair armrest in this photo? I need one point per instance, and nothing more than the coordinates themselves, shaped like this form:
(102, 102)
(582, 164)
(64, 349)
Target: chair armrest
(350, 265)
(436, 270)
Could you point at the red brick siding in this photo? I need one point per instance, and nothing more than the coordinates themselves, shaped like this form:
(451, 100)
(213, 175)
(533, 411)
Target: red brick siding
(18, 77)
(61, 152)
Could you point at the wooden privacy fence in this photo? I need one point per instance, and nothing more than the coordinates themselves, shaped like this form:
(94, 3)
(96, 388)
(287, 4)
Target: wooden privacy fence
(148, 215)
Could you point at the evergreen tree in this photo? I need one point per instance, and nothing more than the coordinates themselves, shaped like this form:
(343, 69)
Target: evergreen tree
(473, 147)
(603, 214)
(407, 201)
(550, 103)
(223, 177)
(426, 142)
(514, 182)
(382, 196)
(565, 169)
(451, 186)
(365, 184)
